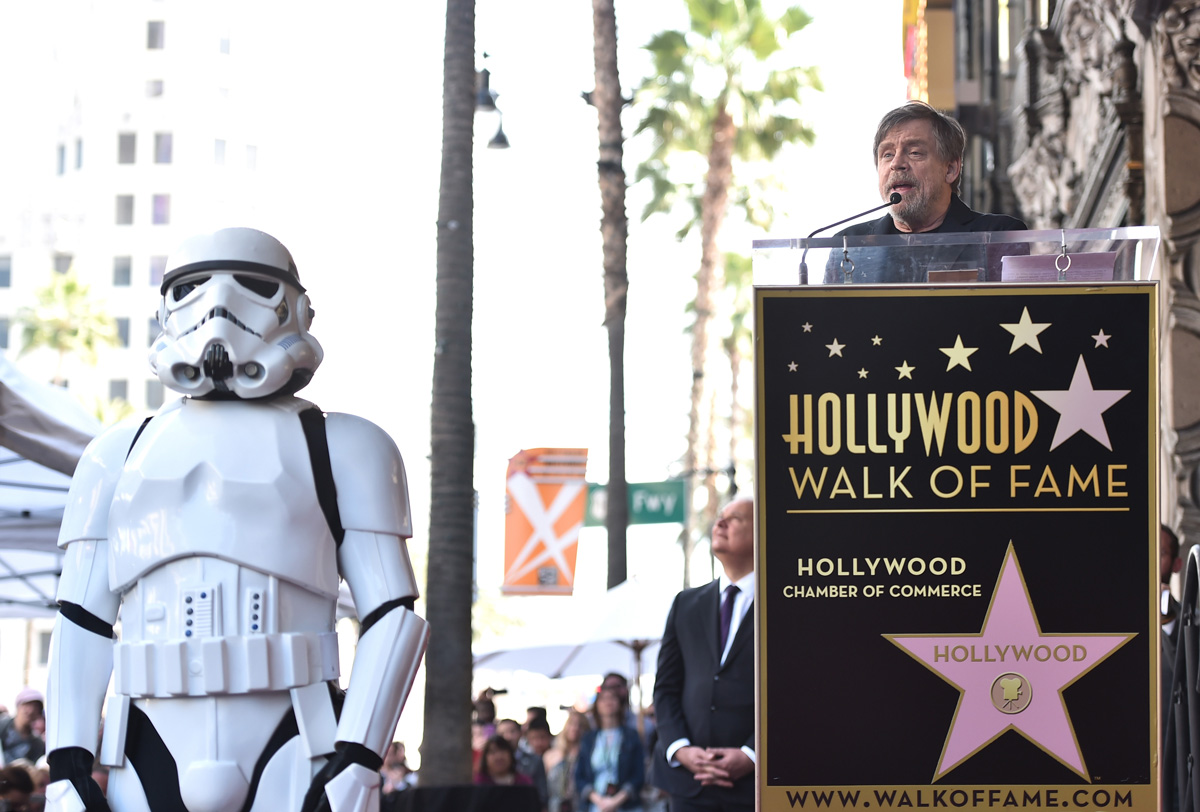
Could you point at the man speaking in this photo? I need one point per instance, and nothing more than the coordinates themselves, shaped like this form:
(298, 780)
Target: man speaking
(918, 154)
(704, 688)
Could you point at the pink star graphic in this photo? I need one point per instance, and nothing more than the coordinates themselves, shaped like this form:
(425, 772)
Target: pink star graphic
(1081, 407)
(1011, 659)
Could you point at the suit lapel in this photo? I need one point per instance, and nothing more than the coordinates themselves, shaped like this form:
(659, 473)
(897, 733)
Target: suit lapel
(711, 601)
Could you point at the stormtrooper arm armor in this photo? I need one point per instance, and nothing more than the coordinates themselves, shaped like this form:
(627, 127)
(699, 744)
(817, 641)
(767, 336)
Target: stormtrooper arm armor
(81, 647)
(373, 558)
(82, 643)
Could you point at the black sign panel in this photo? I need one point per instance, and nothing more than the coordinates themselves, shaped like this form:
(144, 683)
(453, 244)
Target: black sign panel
(958, 547)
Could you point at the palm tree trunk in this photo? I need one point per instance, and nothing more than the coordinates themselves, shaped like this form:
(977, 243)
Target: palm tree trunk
(712, 214)
(614, 227)
(446, 750)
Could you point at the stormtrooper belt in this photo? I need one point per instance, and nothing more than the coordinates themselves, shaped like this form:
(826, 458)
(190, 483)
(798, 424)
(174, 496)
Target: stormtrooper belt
(208, 666)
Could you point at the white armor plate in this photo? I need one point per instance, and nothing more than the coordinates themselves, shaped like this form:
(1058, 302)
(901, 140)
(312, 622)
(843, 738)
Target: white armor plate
(231, 480)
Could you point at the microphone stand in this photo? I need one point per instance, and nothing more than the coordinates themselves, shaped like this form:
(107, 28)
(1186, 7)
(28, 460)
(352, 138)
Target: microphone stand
(892, 201)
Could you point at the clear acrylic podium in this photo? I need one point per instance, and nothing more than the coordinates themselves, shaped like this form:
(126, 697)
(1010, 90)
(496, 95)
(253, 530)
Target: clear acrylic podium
(1059, 255)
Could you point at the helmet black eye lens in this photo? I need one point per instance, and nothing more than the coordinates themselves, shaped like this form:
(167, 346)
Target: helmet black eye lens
(265, 288)
(184, 288)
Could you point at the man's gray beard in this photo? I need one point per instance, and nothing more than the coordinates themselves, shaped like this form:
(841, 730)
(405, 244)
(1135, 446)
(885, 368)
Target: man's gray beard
(914, 208)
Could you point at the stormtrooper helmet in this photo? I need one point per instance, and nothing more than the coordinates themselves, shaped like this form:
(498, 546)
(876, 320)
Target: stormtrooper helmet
(234, 319)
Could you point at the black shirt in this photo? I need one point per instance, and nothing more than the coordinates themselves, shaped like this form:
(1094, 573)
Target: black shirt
(887, 264)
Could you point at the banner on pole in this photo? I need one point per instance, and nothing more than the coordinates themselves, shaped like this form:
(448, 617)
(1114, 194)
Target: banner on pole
(957, 518)
(544, 505)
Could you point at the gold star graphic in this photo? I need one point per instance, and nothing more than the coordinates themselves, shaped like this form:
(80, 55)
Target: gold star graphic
(835, 349)
(959, 355)
(862, 373)
(1025, 332)
(876, 341)
(905, 371)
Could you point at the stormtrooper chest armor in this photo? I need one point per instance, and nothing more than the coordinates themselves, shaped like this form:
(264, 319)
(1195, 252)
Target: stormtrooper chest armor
(230, 480)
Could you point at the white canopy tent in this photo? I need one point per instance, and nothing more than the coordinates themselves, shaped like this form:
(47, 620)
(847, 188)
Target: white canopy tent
(43, 432)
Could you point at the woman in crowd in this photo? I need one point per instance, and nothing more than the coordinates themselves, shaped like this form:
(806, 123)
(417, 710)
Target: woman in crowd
(498, 765)
(611, 766)
(560, 763)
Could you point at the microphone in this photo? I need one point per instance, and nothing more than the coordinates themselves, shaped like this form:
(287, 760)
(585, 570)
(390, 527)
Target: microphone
(892, 201)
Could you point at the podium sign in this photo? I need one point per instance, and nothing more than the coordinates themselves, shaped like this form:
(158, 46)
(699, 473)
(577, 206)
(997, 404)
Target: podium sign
(958, 565)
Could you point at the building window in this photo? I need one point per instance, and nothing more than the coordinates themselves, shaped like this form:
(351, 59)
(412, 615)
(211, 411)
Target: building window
(122, 331)
(44, 648)
(154, 88)
(61, 159)
(152, 331)
(154, 394)
(126, 148)
(162, 210)
(62, 262)
(118, 389)
(4, 325)
(251, 156)
(79, 153)
(158, 266)
(162, 148)
(155, 35)
(122, 271)
(124, 210)
(219, 152)
(5, 270)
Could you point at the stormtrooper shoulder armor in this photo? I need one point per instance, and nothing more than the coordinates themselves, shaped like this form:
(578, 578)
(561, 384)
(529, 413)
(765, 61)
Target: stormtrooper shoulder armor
(368, 471)
(95, 481)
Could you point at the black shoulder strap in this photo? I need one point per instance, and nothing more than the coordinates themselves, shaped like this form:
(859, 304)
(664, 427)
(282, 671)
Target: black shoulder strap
(141, 428)
(312, 420)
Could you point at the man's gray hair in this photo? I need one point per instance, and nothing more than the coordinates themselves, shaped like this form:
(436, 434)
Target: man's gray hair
(950, 139)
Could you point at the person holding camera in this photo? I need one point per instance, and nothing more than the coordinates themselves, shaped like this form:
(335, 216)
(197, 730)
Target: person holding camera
(611, 766)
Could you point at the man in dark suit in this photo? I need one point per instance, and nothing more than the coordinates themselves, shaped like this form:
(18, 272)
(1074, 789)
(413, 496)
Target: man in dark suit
(918, 153)
(704, 688)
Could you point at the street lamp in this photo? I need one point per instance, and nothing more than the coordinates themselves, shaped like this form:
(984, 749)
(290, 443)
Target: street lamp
(485, 101)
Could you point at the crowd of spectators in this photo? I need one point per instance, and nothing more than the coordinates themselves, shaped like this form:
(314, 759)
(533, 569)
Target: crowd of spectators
(24, 775)
(597, 761)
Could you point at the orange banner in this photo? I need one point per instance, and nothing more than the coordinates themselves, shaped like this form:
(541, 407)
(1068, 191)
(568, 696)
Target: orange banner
(544, 506)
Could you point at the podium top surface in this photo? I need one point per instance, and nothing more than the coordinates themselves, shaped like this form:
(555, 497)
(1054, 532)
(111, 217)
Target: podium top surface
(1071, 255)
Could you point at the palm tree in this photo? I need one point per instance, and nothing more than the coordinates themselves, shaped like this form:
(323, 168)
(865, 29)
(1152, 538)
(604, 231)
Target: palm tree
(446, 752)
(614, 229)
(67, 320)
(715, 94)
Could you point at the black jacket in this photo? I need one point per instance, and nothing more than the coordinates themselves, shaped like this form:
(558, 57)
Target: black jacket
(886, 264)
(698, 698)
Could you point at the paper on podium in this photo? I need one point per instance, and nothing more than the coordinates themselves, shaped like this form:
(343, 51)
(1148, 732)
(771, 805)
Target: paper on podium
(1089, 267)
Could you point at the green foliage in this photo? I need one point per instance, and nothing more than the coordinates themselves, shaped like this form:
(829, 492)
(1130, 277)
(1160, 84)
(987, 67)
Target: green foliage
(66, 319)
(727, 62)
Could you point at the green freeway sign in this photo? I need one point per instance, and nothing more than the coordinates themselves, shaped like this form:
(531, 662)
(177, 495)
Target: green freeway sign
(649, 503)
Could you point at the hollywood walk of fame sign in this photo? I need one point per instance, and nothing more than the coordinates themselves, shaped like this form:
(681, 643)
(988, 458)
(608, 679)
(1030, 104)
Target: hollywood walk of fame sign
(957, 495)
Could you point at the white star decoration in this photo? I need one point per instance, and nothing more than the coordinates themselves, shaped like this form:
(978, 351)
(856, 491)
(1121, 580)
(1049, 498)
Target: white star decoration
(905, 370)
(1080, 408)
(807, 327)
(1101, 339)
(792, 366)
(862, 373)
(1025, 332)
(835, 349)
(959, 355)
(876, 341)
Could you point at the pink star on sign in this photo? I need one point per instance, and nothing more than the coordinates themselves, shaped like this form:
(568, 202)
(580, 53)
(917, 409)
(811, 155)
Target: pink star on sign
(1011, 675)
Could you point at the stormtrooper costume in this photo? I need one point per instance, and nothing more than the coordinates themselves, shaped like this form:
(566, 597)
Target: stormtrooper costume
(218, 530)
